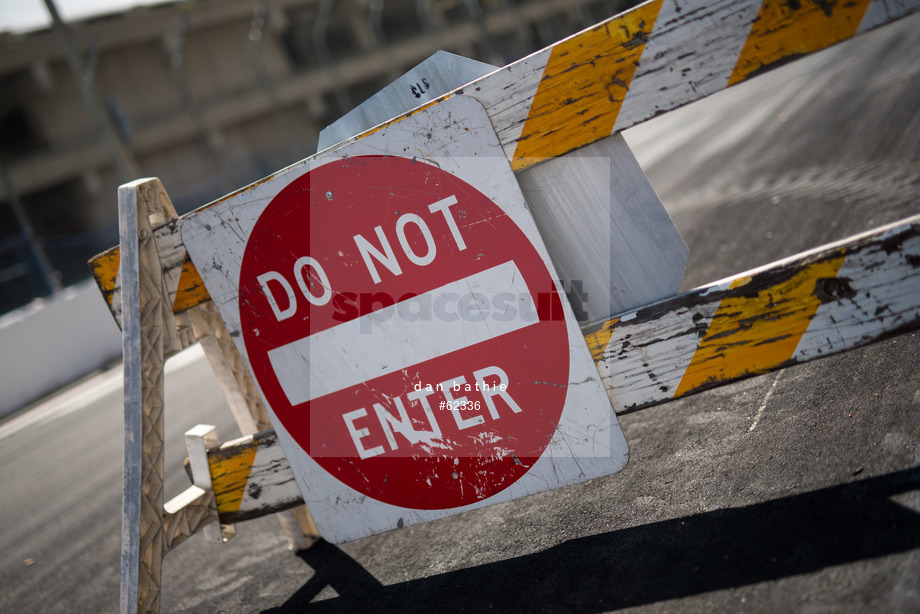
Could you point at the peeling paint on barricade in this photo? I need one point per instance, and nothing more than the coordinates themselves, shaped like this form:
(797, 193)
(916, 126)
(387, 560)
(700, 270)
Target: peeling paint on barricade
(583, 85)
(252, 478)
(758, 329)
(820, 303)
(784, 31)
(597, 341)
(229, 477)
(104, 269)
(190, 290)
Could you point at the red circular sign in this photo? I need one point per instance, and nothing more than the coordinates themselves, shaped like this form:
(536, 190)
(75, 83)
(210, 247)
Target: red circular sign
(354, 240)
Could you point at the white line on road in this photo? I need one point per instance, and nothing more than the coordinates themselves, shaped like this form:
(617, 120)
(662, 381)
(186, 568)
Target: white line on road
(766, 399)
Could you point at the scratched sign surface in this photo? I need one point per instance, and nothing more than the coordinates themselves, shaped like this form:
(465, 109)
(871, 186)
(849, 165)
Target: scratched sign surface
(400, 314)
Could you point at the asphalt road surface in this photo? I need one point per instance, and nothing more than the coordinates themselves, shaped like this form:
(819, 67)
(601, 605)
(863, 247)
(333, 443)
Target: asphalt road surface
(793, 491)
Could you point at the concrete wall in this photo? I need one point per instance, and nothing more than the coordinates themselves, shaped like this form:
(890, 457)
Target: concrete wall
(52, 343)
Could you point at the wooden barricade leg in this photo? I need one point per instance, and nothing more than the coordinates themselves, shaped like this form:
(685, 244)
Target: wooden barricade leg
(246, 405)
(149, 334)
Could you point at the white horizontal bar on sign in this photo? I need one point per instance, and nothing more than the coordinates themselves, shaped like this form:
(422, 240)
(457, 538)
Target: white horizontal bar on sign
(459, 314)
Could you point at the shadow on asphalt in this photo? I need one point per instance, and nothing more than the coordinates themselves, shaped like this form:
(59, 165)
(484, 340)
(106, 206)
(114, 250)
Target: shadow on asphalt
(646, 564)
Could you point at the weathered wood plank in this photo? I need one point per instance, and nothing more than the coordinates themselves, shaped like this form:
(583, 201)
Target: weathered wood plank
(150, 336)
(655, 58)
(186, 514)
(251, 478)
(198, 441)
(816, 304)
(183, 284)
(819, 303)
(652, 59)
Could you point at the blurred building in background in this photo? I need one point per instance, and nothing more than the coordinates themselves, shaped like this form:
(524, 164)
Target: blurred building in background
(208, 95)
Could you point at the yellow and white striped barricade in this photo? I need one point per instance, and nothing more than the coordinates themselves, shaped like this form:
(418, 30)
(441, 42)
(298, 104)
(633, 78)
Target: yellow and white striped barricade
(632, 67)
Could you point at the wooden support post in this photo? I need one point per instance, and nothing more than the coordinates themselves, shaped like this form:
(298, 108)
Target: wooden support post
(198, 441)
(149, 336)
(228, 365)
(246, 405)
(151, 333)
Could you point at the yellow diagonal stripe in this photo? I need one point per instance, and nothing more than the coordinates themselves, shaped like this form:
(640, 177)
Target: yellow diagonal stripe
(790, 28)
(758, 331)
(104, 269)
(191, 290)
(229, 476)
(583, 86)
(598, 340)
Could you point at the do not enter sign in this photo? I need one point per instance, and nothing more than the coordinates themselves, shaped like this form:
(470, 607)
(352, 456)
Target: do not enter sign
(399, 313)
(406, 333)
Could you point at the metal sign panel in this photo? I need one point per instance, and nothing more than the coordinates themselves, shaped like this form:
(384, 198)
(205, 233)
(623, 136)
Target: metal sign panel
(434, 77)
(398, 310)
